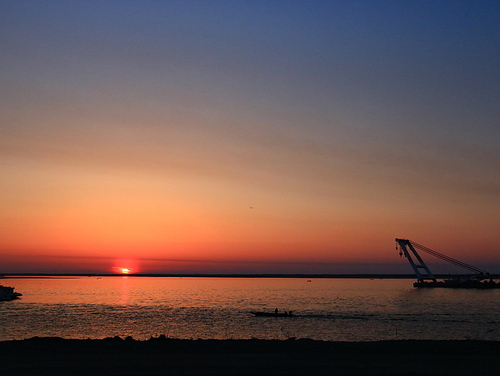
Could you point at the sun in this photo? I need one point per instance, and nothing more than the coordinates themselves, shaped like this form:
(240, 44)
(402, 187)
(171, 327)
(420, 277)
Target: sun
(125, 267)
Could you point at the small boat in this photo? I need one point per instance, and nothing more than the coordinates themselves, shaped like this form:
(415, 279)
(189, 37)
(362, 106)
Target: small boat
(273, 314)
(8, 293)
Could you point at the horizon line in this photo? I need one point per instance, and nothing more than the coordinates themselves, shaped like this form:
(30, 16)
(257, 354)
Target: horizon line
(236, 275)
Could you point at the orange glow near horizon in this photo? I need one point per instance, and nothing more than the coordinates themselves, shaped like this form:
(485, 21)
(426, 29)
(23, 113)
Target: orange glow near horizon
(151, 219)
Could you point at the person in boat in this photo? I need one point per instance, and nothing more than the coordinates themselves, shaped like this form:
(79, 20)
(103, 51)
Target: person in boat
(276, 311)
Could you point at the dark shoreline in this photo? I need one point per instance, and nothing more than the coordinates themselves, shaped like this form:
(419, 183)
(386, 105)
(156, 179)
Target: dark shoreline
(163, 356)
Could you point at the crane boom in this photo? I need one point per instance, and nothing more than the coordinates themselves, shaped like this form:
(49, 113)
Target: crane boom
(416, 262)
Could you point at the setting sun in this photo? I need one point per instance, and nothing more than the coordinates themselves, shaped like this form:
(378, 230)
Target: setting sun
(125, 271)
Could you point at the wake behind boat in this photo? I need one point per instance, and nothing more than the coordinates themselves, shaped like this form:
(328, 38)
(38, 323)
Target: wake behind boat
(272, 314)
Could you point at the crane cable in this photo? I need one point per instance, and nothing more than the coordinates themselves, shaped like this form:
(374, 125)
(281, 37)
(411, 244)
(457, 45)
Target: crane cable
(448, 259)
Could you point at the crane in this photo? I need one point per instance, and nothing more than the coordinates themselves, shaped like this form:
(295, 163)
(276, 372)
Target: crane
(425, 278)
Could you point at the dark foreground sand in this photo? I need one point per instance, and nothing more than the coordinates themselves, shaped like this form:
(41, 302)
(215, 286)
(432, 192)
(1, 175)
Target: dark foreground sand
(55, 356)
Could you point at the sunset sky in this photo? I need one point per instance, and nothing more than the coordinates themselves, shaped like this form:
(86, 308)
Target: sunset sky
(247, 136)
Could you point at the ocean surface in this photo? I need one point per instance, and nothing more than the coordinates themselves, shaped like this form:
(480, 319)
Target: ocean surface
(219, 308)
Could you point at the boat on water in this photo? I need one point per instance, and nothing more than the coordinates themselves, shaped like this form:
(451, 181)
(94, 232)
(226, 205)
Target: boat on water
(8, 293)
(480, 279)
(272, 314)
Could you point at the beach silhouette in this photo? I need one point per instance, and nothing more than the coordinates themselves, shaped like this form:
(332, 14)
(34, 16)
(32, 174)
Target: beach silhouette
(163, 356)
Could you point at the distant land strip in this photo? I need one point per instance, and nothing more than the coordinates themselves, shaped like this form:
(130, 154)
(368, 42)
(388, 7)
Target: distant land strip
(198, 275)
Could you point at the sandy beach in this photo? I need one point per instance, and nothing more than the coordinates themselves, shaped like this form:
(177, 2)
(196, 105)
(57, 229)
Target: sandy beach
(160, 356)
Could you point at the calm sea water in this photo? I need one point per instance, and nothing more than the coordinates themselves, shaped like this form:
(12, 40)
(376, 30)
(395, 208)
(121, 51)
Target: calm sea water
(191, 308)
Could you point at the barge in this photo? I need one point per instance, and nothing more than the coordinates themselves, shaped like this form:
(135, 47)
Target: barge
(479, 279)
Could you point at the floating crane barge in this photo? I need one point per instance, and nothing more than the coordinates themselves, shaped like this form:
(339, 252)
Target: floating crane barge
(480, 279)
